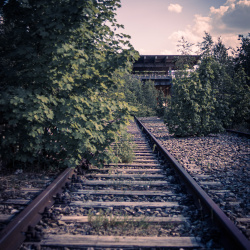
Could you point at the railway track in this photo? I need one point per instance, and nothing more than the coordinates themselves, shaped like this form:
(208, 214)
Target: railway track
(218, 163)
(14, 233)
(143, 204)
(18, 189)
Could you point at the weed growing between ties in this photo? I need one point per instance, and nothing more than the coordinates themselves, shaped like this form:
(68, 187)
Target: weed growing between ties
(104, 223)
(108, 224)
(124, 148)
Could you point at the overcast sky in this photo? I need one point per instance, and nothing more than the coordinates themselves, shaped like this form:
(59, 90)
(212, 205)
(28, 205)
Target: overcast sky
(155, 26)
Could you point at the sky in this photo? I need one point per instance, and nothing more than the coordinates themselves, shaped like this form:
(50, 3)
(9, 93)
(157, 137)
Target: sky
(156, 26)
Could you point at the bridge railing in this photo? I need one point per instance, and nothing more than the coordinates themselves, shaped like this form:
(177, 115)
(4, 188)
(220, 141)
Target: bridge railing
(153, 77)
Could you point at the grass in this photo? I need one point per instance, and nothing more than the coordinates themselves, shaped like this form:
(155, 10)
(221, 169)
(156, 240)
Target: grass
(106, 221)
(120, 224)
(124, 149)
(120, 183)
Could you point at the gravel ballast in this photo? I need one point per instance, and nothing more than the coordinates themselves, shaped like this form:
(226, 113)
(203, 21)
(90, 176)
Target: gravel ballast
(220, 163)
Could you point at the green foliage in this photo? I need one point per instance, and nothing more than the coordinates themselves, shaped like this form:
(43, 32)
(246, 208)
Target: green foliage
(190, 111)
(180, 108)
(142, 96)
(195, 108)
(124, 148)
(161, 103)
(243, 57)
(117, 224)
(206, 46)
(240, 103)
(185, 49)
(60, 61)
(240, 100)
(214, 97)
(149, 94)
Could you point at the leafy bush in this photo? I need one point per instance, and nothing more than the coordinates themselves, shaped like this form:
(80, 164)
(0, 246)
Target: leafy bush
(58, 84)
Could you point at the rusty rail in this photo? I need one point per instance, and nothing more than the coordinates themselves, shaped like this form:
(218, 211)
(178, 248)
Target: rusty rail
(242, 134)
(234, 239)
(13, 235)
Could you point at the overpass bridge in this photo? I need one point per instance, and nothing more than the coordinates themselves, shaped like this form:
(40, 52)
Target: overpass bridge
(160, 69)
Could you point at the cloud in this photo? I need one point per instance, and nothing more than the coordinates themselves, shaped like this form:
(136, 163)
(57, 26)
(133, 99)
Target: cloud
(193, 33)
(233, 16)
(220, 12)
(236, 17)
(244, 3)
(227, 22)
(175, 8)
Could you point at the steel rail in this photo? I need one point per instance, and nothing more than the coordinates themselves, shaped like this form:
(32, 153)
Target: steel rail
(13, 235)
(235, 239)
(247, 135)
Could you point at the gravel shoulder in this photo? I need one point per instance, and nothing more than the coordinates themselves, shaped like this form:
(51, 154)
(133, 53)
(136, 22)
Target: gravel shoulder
(222, 158)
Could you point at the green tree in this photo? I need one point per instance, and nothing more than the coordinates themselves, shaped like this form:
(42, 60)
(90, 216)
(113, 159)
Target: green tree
(212, 107)
(131, 92)
(243, 58)
(186, 60)
(149, 94)
(206, 46)
(182, 116)
(60, 62)
(230, 84)
(240, 100)
(220, 53)
(191, 110)
(196, 99)
(141, 96)
(161, 103)
(222, 66)
(215, 96)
